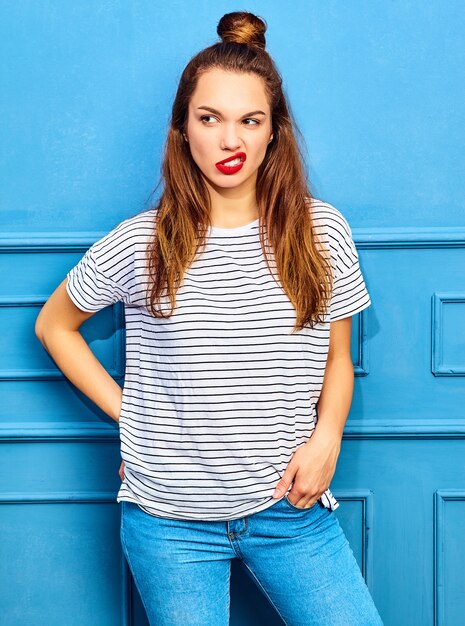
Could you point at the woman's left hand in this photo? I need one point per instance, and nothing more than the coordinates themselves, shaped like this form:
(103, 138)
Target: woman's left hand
(312, 468)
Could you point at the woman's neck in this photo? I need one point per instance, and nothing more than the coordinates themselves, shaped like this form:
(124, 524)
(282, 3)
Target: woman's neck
(231, 208)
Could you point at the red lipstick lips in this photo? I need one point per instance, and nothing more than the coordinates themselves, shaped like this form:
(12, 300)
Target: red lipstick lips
(225, 168)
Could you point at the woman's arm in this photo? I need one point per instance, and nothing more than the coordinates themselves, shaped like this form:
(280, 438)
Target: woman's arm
(57, 328)
(313, 464)
(338, 384)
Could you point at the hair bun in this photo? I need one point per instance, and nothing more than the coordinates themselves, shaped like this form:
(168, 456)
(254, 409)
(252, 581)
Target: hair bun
(242, 27)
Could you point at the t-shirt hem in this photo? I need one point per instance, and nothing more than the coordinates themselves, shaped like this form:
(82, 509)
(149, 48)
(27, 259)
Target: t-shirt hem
(202, 517)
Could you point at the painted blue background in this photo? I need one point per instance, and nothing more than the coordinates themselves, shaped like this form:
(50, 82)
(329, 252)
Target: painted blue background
(377, 90)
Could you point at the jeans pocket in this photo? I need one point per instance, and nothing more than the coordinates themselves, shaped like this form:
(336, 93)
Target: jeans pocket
(298, 508)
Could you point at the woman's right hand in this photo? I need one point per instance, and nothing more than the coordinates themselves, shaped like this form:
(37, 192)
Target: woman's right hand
(121, 471)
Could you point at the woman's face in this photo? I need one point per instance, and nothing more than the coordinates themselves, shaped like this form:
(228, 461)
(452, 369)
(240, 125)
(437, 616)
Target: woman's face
(229, 114)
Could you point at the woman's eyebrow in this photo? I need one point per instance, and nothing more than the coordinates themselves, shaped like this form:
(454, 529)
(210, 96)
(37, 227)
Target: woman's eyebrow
(218, 113)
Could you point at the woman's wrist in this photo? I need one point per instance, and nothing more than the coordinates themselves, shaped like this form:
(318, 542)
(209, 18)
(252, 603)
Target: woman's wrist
(328, 431)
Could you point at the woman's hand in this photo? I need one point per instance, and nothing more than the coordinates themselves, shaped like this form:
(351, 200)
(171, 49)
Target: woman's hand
(121, 471)
(312, 468)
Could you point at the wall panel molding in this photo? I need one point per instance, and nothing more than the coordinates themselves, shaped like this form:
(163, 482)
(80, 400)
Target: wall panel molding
(448, 608)
(365, 238)
(116, 370)
(401, 237)
(14, 432)
(58, 497)
(361, 361)
(440, 331)
(365, 500)
(57, 432)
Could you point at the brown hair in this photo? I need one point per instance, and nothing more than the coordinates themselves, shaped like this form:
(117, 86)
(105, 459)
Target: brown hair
(282, 193)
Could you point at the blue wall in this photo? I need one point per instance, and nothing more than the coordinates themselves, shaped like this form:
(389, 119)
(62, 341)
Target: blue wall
(376, 87)
(377, 90)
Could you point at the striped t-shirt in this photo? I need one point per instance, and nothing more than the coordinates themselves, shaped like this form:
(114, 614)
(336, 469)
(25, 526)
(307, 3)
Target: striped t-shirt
(217, 398)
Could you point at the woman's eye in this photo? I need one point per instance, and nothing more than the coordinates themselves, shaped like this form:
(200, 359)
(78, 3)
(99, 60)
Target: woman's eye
(202, 119)
(256, 122)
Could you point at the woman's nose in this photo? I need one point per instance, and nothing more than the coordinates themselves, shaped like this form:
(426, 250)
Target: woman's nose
(230, 139)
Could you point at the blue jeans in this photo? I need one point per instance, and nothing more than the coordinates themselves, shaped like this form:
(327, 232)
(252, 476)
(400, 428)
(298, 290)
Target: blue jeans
(299, 558)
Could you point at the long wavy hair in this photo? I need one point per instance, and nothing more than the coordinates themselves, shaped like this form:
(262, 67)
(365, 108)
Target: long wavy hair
(283, 196)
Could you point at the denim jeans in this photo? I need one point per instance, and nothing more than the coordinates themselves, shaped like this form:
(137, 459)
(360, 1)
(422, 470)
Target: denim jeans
(299, 558)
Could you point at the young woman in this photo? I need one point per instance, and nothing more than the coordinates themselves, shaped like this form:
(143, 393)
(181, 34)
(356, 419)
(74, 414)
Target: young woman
(239, 288)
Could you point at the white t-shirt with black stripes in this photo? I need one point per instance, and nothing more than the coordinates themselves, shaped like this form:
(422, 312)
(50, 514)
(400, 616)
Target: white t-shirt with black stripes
(217, 398)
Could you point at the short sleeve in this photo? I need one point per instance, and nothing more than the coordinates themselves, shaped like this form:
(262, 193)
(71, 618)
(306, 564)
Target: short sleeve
(100, 278)
(88, 287)
(350, 295)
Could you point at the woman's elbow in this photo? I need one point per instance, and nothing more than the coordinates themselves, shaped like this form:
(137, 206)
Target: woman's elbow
(40, 325)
